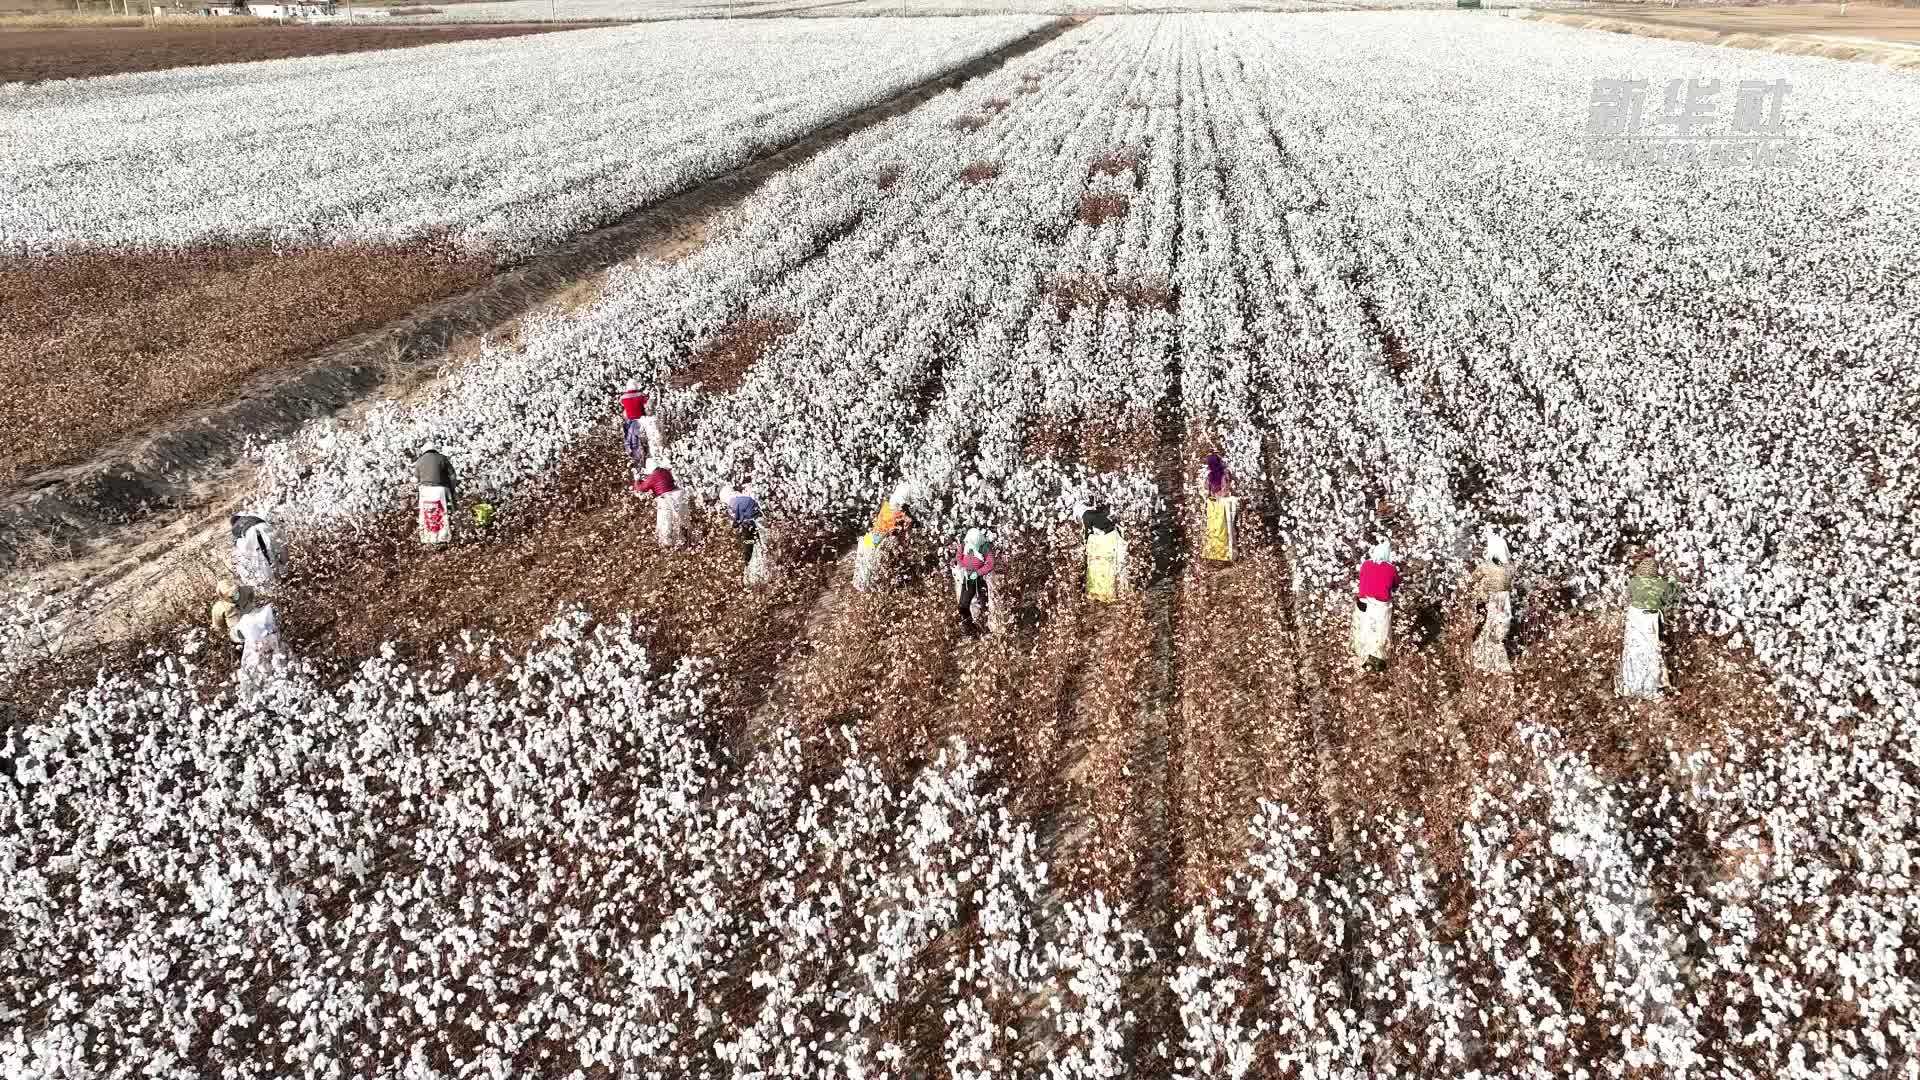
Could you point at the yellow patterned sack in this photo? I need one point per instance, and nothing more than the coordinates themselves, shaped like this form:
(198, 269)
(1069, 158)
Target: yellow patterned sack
(1218, 545)
(1106, 566)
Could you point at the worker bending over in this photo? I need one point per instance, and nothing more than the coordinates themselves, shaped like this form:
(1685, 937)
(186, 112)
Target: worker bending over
(972, 565)
(669, 504)
(1222, 510)
(1493, 595)
(257, 551)
(1373, 608)
(1643, 667)
(1106, 553)
(741, 506)
(438, 496)
(879, 541)
(249, 622)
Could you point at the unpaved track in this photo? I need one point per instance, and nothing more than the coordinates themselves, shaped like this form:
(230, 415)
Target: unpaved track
(116, 551)
(1889, 37)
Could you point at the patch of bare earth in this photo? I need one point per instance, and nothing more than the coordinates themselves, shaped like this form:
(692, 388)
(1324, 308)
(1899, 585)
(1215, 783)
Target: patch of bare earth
(1108, 443)
(1141, 291)
(980, 172)
(93, 346)
(721, 364)
(1098, 208)
(85, 52)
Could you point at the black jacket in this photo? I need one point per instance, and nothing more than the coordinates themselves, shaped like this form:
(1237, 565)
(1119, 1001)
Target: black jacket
(433, 469)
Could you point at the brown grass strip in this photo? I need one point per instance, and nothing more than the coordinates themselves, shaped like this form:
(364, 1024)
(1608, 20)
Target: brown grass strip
(94, 346)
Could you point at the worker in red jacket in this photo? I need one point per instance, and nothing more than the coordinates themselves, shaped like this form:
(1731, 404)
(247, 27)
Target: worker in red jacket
(639, 430)
(670, 503)
(1373, 608)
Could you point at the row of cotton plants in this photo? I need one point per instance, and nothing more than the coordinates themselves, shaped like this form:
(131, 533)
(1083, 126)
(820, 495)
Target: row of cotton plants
(1425, 292)
(551, 870)
(500, 147)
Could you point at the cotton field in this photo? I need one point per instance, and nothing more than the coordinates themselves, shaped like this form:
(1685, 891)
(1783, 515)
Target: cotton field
(499, 147)
(558, 801)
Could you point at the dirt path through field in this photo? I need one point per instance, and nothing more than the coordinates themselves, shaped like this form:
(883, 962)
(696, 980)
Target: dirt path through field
(1889, 36)
(114, 530)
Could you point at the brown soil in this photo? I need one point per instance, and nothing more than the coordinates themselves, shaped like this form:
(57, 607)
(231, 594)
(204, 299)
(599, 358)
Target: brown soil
(1100, 208)
(1106, 444)
(1889, 36)
(1126, 160)
(1069, 291)
(80, 53)
(95, 345)
(1859, 20)
(979, 172)
(723, 362)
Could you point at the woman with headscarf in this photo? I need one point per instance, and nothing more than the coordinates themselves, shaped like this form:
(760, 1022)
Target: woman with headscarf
(1222, 510)
(1106, 553)
(639, 430)
(438, 496)
(257, 552)
(1493, 592)
(669, 503)
(972, 564)
(1643, 670)
(879, 539)
(1373, 608)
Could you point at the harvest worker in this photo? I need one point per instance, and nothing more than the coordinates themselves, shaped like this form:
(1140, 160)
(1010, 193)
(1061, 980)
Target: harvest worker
(1373, 608)
(231, 599)
(1492, 592)
(1222, 510)
(257, 632)
(1106, 553)
(1643, 670)
(1219, 484)
(972, 564)
(248, 623)
(742, 509)
(639, 430)
(879, 539)
(257, 552)
(670, 503)
(437, 496)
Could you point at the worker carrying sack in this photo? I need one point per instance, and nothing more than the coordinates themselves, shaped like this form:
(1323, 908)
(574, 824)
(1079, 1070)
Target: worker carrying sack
(1218, 546)
(1106, 566)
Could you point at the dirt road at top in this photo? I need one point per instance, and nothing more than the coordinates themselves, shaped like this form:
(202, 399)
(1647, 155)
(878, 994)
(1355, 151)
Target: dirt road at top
(1864, 32)
(36, 55)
